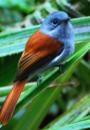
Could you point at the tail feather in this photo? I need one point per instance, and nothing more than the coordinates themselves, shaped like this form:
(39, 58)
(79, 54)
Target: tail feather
(10, 102)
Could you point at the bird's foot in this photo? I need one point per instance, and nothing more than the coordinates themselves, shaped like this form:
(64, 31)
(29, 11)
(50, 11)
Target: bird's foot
(39, 80)
(61, 67)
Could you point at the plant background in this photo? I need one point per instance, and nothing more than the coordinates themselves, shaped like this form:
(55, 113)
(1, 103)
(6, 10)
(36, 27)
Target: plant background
(62, 100)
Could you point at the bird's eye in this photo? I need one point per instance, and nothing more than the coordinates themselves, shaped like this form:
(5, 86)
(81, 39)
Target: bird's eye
(55, 22)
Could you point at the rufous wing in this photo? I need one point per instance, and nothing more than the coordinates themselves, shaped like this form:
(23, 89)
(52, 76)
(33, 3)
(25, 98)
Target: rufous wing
(39, 50)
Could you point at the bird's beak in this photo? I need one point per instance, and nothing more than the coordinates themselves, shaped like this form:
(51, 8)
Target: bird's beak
(67, 20)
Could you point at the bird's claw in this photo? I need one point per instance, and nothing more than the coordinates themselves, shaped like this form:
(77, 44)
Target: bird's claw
(39, 80)
(61, 67)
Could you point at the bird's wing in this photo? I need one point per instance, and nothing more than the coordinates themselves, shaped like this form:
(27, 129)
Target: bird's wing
(39, 50)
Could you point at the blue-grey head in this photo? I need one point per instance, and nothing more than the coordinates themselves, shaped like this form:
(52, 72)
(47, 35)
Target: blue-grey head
(58, 26)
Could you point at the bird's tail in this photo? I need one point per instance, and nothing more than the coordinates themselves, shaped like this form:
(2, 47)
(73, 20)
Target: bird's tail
(10, 102)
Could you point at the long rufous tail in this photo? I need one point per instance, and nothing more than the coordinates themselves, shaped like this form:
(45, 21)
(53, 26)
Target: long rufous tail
(10, 102)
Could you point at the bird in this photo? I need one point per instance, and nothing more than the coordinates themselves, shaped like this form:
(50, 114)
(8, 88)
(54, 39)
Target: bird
(46, 48)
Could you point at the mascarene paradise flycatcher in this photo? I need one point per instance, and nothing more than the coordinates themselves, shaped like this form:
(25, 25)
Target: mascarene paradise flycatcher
(47, 47)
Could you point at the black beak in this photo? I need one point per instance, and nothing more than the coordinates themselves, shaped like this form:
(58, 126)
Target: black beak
(67, 20)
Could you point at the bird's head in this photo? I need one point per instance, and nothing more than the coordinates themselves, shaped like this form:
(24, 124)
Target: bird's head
(58, 26)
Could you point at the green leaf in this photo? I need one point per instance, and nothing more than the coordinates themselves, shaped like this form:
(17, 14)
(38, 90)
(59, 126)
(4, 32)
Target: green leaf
(36, 110)
(75, 126)
(83, 73)
(73, 115)
(14, 42)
